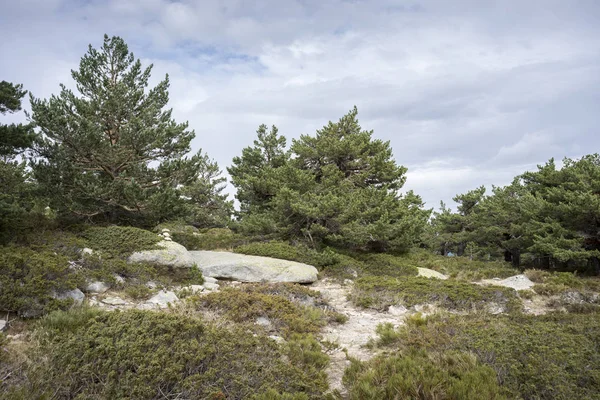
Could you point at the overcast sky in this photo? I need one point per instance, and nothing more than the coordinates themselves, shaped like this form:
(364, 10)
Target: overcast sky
(468, 92)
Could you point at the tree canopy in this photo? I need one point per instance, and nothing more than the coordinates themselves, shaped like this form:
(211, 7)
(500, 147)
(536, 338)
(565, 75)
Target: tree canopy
(111, 150)
(16, 192)
(338, 187)
(549, 218)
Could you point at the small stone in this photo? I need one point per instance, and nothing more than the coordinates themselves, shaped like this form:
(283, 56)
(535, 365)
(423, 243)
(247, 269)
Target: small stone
(167, 239)
(495, 308)
(2, 325)
(196, 288)
(97, 287)
(264, 322)
(397, 310)
(114, 301)
(75, 294)
(165, 230)
(119, 279)
(276, 338)
(210, 286)
(86, 251)
(163, 298)
(421, 307)
(210, 279)
(151, 285)
(166, 234)
(348, 281)
(572, 297)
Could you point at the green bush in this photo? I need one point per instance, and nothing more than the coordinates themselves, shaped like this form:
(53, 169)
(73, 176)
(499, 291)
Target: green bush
(388, 265)
(285, 251)
(68, 322)
(147, 355)
(290, 308)
(120, 240)
(30, 278)
(461, 268)
(554, 356)
(380, 292)
(193, 238)
(554, 283)
(138, 292)
(418, 375)
(52, 262)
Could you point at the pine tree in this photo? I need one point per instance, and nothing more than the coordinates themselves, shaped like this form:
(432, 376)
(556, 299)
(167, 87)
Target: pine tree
(14, 138)
(549, 218)
(207, 205)
(567, 227)
(16, 192)
(339, 187)
(112, 151)
(251, 174)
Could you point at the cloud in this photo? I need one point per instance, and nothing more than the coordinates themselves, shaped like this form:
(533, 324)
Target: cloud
(467, 92)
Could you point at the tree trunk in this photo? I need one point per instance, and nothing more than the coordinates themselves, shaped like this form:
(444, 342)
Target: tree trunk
(516, 257)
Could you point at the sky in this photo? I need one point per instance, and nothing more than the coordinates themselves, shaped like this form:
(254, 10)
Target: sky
(468, 92)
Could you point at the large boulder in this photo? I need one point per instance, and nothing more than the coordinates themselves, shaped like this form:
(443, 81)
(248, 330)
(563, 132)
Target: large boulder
(243, 268)
(170, 254)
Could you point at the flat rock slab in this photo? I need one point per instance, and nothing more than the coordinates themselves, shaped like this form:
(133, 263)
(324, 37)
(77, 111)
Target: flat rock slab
(170, 254)
(243, 268)
(517, 282)
(114, 301)
(429, 273)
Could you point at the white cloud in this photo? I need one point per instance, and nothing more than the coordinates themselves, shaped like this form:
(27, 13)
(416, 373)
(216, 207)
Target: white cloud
(468, 93)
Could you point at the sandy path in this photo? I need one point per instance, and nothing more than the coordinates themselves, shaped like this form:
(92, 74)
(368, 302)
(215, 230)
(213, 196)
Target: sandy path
(355, 333)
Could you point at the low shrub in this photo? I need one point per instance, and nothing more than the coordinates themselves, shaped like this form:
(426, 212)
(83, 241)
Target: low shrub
(526, 294)
(68, 322)
(120, 240)
(555, 283)
(537, 275)
(380, 292)
(380, 264)
(37, 268)
(451, 375)
(30, 278)
(138, 292)
(193, 238)
(461, 268)
(289, 308)
(285, 251)
(554, 356)
(146, 355)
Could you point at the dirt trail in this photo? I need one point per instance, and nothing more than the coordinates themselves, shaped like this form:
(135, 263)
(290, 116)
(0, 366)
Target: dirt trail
(355, 333)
